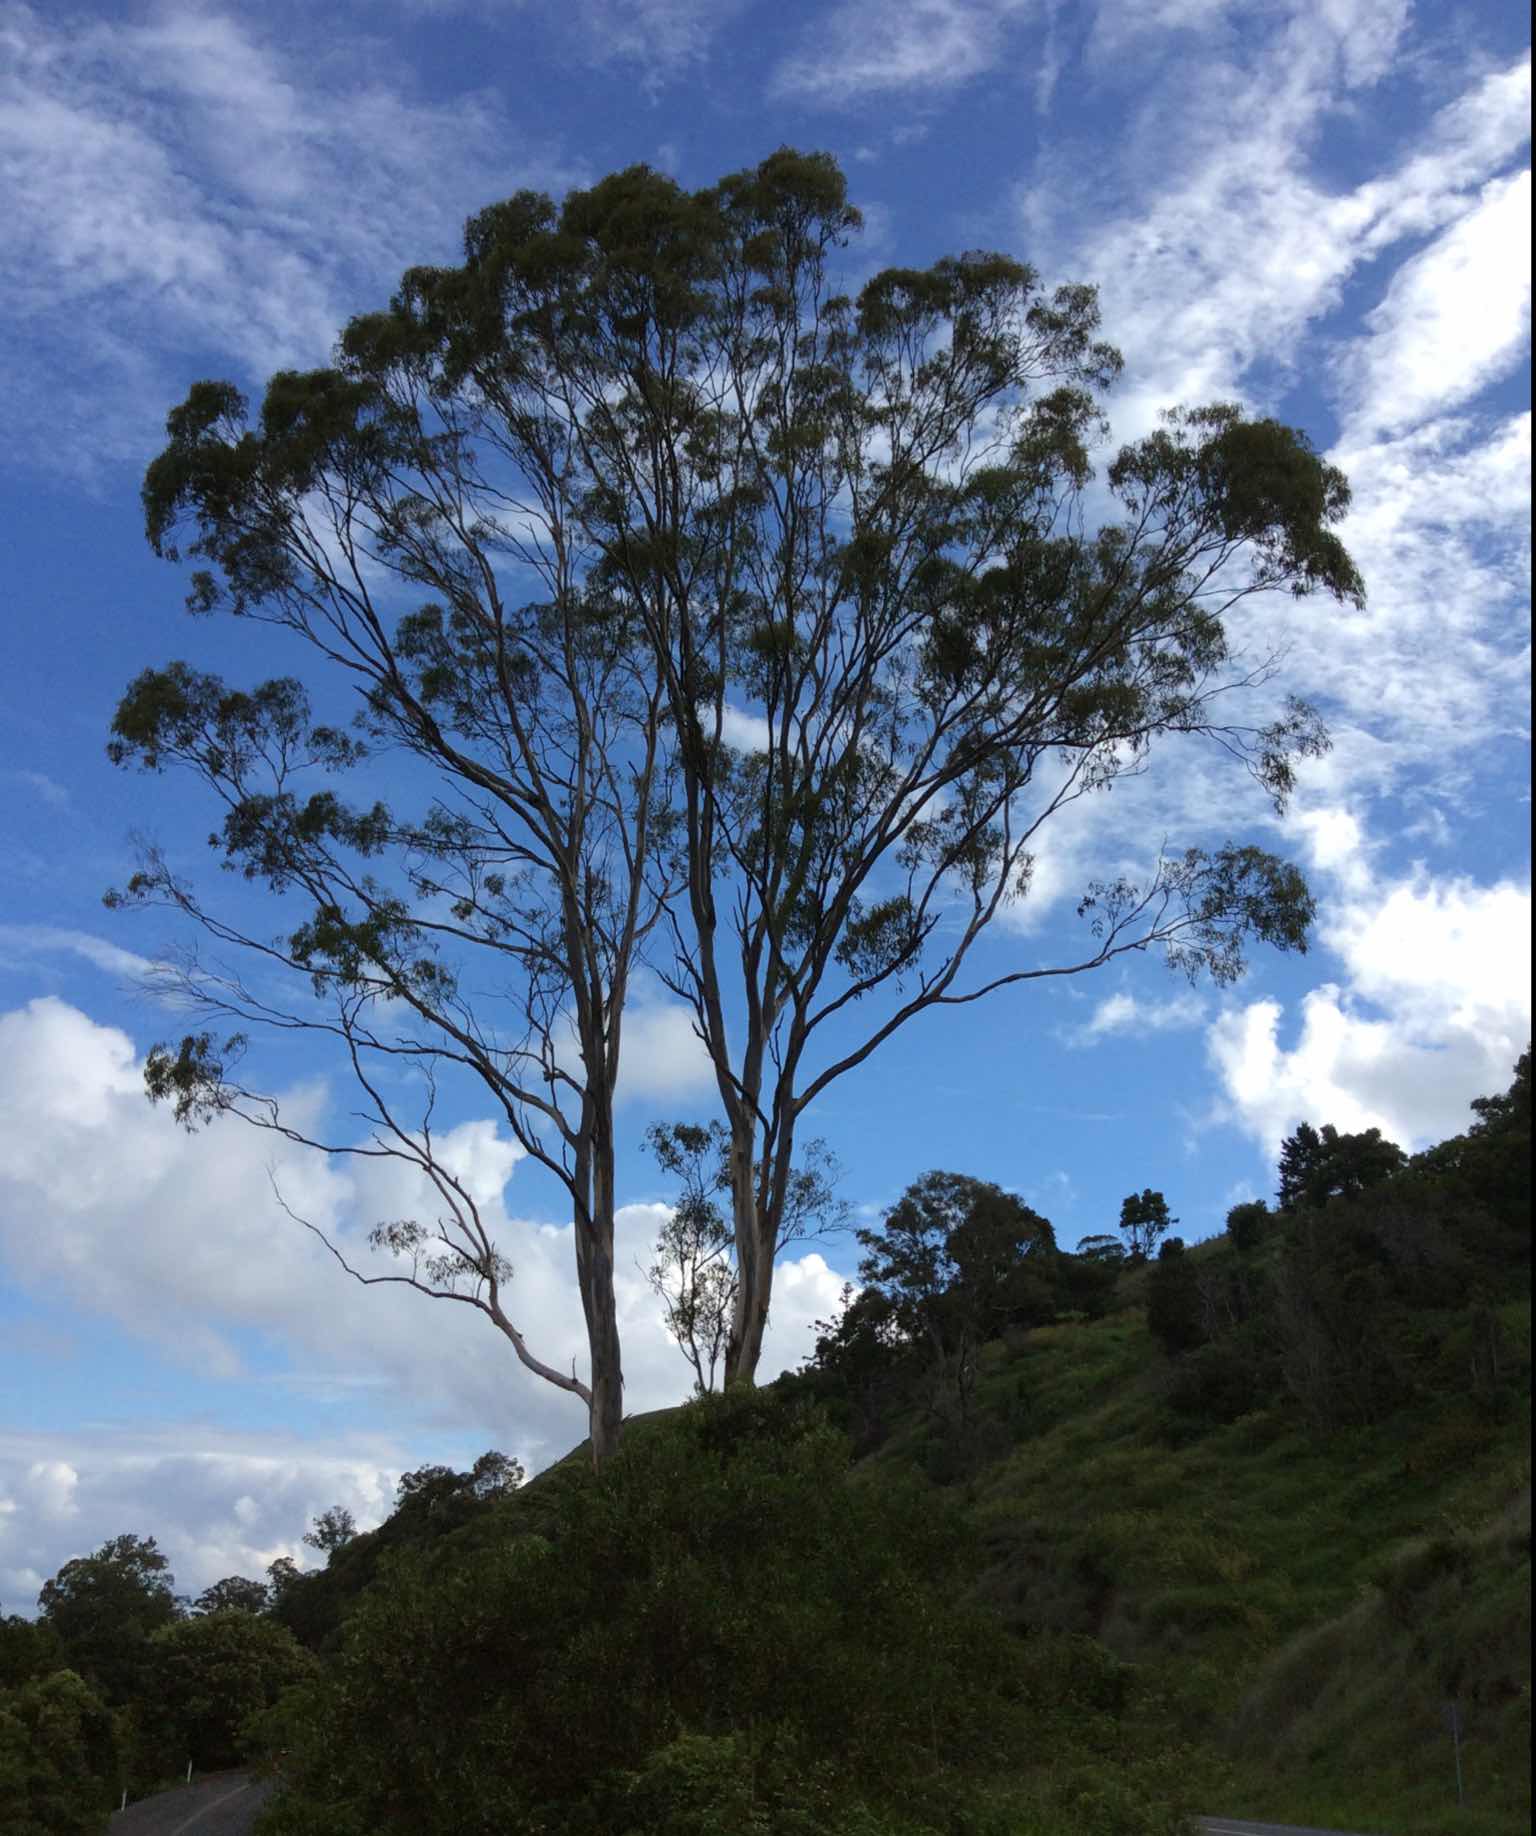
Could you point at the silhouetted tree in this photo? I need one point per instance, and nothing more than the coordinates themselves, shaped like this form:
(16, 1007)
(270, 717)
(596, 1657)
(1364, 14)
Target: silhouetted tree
(234, 1594)
(1174, 1308)
(1247, 1225)
(1318, 1166)
(736, 488)
(331, 1530)
(104, 1607)
(1144, 1219)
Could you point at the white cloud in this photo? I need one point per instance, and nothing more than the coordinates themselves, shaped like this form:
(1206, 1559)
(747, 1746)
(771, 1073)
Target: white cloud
(1123, 1013)
(185, 184)
(1216, 246)
(45, 789)
(662, 1056)
(218, 1502)
(32, 940)
(179, 1239)
(1454, 318)
(1435, 1010)
(866, 48)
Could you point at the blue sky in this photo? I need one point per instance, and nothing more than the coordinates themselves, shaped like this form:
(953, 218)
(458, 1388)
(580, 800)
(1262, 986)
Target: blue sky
(1320, 208)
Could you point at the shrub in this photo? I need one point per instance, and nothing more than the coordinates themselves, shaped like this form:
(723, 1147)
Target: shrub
(60, 1758)
(718, 1579)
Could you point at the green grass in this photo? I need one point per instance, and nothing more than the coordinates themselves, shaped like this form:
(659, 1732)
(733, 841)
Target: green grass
(1262, 1576)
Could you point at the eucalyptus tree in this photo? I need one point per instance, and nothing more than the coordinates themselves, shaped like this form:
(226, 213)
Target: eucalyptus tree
(845, 546)
(483, 922)
(855, 534)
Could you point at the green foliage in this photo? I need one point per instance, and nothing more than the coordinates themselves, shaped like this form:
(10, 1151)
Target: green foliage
(720, 1579)
(1316, 1167)
(206, 1677)
(1247, 1225)
(1366, 1694)
(1175, 1316)
(60, 1758)
(333, 1529)
(105, 1606)
(29, 1648)
(234, 1594)
(1144, 1220)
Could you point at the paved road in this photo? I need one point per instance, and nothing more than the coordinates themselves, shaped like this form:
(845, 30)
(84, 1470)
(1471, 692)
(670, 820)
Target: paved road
(221, 1804)
(1238, 1826)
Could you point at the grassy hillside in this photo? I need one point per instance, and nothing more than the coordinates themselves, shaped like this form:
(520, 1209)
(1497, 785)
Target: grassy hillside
(1307, 1604)
(1245, 1541)
(1309, 1601)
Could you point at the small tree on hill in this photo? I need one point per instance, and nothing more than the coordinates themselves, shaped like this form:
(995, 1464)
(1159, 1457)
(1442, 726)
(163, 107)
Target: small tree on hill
(693, 1275)
(1316, 1167)
(1247, 1225)
(952, 1258)
(1144, 1219)
(234, 1594)
(331, 1530)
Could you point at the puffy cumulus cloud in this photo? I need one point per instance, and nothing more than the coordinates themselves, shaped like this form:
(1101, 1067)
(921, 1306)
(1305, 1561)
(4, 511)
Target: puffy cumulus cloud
(663, 1056)
(182, 1240)
(217, 1502)
(187, 182)
(1123, 1014)
(1435, 1010)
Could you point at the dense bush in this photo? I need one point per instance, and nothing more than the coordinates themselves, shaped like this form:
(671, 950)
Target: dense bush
(206, 1677)
(60, 1758)
(718, 1605)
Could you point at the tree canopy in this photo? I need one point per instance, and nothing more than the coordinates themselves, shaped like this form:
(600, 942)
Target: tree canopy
(753, 631)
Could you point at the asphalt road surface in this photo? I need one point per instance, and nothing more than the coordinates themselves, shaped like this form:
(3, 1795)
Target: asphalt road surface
(1238, 1826)
(222, 1804)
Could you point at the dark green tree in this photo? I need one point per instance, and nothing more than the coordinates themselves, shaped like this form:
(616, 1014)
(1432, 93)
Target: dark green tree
(861, 520)
(954, 1257)
(1247, 1225)
(104, 1607)
(234, 1594)
(331, 1530)
(1318, 1166)
(1144, 1220)
(1174, 1306)
(61, 1758)
(1101, 1248)
(1510, 1112)
(282, 1576)
(718, 1600)
(207, 1676)
(29, 1648)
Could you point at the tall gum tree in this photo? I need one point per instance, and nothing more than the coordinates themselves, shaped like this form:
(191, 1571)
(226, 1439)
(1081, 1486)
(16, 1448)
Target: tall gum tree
(369, 518)
(854, 533)
(844, 545)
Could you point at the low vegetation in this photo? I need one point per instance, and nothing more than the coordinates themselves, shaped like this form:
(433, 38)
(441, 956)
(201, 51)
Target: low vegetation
(1035, 1543)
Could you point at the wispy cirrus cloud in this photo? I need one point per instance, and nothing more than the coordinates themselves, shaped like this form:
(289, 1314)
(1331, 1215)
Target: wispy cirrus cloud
(29, 942)
(866, 48)
(185, 190)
